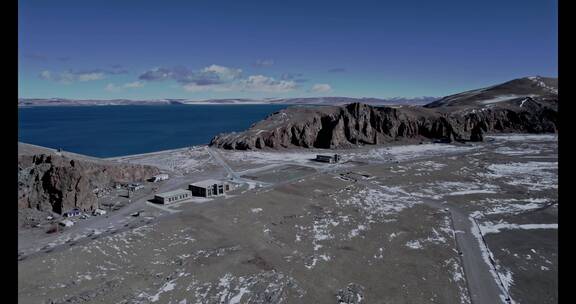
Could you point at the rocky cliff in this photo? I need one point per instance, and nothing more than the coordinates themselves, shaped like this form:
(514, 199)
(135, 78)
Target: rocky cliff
(357, 123)
(51, 182)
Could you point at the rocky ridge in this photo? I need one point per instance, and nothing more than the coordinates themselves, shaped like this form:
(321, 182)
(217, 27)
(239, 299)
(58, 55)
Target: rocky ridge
(48, 181)
(461, 119)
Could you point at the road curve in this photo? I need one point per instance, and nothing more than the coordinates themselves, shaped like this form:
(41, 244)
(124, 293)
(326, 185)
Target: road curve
(480, 276)
(233, 175)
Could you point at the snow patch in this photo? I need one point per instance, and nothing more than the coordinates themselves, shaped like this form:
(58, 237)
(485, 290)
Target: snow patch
(489, 227)
(499, 99)
(415, 244)
(536, 176)
(168, 286)
(256, 210)
(524, 137)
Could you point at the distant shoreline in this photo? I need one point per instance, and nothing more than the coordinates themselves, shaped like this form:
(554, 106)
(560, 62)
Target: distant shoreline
(57, 102)
(156, 152)
(508, 136)
(143, 104)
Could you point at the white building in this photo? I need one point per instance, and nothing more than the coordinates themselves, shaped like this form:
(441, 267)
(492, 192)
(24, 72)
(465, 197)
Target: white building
(159, 177)
(173, 196)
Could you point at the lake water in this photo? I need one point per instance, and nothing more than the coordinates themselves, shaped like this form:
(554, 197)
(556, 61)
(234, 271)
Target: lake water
(108, 131)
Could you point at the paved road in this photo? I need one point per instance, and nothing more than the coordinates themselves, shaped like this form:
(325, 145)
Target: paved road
(328, 168)
(233, 175)
(482, 285)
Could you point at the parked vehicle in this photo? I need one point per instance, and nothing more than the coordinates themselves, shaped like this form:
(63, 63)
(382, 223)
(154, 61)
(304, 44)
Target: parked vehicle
(72, 213)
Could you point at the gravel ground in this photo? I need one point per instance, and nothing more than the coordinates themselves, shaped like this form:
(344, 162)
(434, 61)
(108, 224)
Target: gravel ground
(377, 228)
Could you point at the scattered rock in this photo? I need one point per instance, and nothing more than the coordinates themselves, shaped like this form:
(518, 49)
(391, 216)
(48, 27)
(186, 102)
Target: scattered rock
(352, 294)
(260, 262)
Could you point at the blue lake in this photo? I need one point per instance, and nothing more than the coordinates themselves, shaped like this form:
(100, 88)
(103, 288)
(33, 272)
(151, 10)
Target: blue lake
(108, 131)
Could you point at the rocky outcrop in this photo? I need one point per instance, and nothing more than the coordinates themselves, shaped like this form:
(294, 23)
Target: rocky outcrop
(533, 116)
(357, 123)
(352, 294)
(51, 182)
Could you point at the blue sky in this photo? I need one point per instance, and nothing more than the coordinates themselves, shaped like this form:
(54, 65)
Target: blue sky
(255, 49)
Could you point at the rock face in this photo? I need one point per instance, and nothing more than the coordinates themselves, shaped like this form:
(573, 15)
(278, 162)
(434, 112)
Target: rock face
(347, 126)
(51, 182)
(525, 105)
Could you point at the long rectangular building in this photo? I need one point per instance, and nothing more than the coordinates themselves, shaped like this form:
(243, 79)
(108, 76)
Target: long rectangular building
(173, 196)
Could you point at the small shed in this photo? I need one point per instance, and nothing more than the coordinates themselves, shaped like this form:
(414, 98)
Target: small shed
(328, 158)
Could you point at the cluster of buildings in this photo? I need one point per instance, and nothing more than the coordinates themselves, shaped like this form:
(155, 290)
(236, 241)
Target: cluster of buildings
(206, 188)
(212, 187)
(74, 212)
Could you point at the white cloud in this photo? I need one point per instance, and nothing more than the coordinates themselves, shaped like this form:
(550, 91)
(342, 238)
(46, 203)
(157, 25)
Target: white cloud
(224, 73)
(217, 78)
(321, 88)
(207, 76)
(131, 85)
(260, 83)
(90, 76)
(112, 87)
(64, 77)
(254, 83)
(156, 74)
(68, 77)
(45, 74)
(135, 84)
